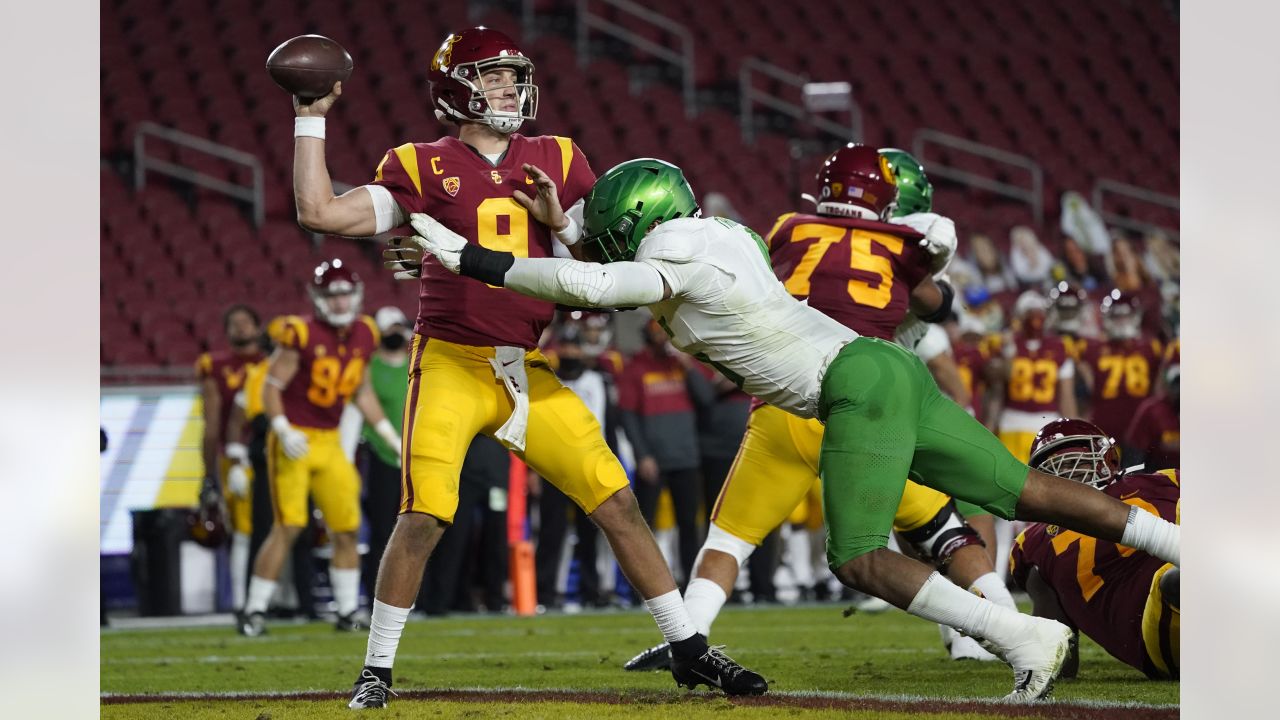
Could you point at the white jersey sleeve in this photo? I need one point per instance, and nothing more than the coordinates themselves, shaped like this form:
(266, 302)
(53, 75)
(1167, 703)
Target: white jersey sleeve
(729, 310)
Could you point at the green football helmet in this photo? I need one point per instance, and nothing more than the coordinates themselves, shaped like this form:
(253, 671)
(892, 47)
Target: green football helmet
(915, 194)
(626, 202)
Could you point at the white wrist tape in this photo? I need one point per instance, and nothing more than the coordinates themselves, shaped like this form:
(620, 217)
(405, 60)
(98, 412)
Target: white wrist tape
(308, 127)
(237, 452)
(386, 429)
(571, 233)
(280, 424)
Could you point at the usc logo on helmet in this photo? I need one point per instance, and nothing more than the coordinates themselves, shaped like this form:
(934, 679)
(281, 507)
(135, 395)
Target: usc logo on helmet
(887, 171)
(445, 54)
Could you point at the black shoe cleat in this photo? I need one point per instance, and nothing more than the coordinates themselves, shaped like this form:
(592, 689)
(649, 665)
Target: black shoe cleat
(715, 669)
(370, 691)
(251, 625)
(349, 623)
(657, 657)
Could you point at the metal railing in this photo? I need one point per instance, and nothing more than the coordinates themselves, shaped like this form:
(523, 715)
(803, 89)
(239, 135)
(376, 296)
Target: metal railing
(682, 58)
(142, 163)
(749, 96)
(1033, 195)
(1106, 185)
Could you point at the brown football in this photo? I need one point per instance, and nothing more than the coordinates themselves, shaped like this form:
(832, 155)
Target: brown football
(309, 65)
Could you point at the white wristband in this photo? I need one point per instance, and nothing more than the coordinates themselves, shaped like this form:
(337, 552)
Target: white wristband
(386, 429)
(308, 127)
(280, 424)
(571, 233)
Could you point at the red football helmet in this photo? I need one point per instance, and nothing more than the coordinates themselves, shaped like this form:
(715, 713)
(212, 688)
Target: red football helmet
(336, 292)
(207, 524)
(1121, 315)
(1076, 450)
(1066, 303)
(857, 181)
(457, 91)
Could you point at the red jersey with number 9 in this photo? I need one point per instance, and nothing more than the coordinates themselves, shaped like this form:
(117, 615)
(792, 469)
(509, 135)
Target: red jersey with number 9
(331, 366)
(859, 273)
(1101, 586)
(460, 188)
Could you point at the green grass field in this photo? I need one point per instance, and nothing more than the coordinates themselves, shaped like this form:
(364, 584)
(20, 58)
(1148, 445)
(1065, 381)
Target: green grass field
(819, 664)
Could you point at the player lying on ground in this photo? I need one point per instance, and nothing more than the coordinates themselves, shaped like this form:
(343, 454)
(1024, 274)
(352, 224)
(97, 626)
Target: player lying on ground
(1125, 600)
(709, 283)
(826, 259)
(475, 367)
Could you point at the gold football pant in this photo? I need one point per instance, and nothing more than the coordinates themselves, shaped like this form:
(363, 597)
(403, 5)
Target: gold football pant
(775, 477)
(454, 396)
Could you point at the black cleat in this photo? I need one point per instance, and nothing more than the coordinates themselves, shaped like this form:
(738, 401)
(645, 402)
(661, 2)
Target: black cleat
(715, 669)
(657, 657)
(370, 691)
(252, 624)
(349, 623)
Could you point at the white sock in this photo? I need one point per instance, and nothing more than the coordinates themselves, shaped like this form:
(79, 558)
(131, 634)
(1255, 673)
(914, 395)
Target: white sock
(1152, 534)
(994, 589)
(386, 624)
(239, 561)
(942, 601)
(798, 558)
(673, 619)
(346, 589)
(260, 592)
(703, 599)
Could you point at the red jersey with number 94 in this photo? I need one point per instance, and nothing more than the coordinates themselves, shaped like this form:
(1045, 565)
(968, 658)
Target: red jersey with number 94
(859, 273)
(457, 186)
(331, 366)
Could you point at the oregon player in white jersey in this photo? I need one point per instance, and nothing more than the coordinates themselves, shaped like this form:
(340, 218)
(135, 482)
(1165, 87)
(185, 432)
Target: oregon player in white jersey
(709, 282)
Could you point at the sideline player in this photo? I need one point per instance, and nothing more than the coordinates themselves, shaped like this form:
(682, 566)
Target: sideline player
(1120, 370)
(1124, 599)
(709, 282)
(321, 362)
(221, 375)
(850, 264)
(1030, 376)
(475, 367)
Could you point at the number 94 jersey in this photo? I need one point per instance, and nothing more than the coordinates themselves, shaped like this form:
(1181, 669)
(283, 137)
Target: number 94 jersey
(331, 366)
(454, 184)
(859, 273)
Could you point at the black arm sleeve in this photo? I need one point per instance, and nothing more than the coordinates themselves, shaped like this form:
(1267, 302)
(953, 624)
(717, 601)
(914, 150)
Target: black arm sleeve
(944, 310)
(485, 265)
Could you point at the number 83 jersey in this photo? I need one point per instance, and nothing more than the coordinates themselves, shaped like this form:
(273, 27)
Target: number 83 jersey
(460, 188)
(331, 366)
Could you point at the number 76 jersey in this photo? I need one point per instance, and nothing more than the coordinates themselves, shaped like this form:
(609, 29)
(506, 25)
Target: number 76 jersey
(460, 188)
(331, 366)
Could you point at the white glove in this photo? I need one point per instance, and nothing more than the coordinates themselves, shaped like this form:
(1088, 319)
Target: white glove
(939, 236)
(438, 240)
(403, 255)
(238, 480)
(388, 433)
(293, 440)
(238, 474)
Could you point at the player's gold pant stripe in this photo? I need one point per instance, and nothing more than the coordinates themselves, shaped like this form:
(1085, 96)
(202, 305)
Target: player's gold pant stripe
(1161, 629)
(715, 511)
(410, 410)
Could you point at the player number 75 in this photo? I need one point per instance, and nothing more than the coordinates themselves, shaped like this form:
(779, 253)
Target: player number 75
(863, 292)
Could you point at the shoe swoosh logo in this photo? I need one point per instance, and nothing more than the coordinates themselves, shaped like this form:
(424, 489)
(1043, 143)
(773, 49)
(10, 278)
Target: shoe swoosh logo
(713, 681)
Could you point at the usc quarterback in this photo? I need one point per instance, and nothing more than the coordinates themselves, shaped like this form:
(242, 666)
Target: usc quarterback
(1126, 600)
(222, 375)
(320, 363)
(475, 367)
(858, 266)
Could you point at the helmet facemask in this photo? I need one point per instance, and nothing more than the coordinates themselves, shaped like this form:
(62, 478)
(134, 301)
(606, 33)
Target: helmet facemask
(1122, 325)
(1082, 458)
(323, 298)
(480, 104)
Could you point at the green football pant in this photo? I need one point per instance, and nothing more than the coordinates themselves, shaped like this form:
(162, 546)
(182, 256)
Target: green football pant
(886, 420)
